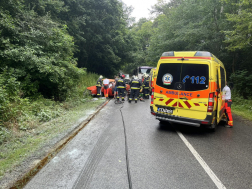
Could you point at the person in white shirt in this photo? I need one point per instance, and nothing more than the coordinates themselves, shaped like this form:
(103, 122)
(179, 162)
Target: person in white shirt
(105, 86)
(228, 102)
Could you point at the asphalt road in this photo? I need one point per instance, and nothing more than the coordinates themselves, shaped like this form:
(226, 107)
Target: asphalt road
(159, 156)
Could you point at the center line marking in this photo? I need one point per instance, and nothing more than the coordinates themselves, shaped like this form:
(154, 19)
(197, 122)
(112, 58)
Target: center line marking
(211, 174)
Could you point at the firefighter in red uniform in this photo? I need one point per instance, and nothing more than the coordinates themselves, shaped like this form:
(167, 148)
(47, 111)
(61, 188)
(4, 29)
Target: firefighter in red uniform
(228, 103)
(135, 85)
(121, 87)
(99, 85)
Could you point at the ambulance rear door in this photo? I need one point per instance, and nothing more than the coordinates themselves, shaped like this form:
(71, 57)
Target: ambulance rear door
(193, 89)
(166, 95)
(221, 80)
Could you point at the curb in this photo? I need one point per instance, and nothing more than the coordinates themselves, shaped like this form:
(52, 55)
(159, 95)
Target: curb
(20, 183)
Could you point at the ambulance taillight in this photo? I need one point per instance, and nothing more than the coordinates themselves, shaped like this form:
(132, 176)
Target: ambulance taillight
(210, 102)
(152, 95)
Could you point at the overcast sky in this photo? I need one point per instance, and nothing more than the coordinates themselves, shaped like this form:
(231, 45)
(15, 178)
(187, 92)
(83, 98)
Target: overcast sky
(140, 7)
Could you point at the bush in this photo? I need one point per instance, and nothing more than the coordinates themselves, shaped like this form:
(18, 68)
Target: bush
(242, 83)
(9, 93)
(86, 80)
(25, 113)
(4, 134)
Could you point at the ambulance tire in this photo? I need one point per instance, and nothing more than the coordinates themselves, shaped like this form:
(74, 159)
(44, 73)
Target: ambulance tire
(161, 122)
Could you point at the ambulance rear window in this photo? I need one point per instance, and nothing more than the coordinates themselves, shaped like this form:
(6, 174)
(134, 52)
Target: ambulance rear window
(168, 75)
(193, 77)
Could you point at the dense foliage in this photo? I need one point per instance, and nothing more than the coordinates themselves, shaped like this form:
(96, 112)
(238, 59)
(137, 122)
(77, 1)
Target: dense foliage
(47, 46)
(37, 50)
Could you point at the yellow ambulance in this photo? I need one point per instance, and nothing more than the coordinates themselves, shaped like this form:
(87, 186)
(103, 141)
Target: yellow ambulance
(188, 88)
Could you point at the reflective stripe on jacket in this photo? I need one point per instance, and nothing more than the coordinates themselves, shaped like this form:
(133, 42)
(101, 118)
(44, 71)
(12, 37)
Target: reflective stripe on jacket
(99, 82)
(120, 84)
(135, 84)
(146, 83)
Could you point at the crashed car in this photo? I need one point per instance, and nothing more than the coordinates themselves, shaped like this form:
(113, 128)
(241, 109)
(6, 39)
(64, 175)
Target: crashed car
(93, 89)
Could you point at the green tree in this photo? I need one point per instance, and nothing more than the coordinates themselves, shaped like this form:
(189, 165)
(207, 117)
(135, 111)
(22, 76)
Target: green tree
(240, 35)
(141, 32)
(100, 31)
(39, 47)
(179, 27)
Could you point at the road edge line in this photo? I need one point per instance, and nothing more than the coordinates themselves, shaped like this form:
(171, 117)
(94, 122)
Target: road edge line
(201, 161)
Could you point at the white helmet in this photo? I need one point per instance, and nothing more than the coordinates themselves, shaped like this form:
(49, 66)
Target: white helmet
(101, 76)
(135, 77)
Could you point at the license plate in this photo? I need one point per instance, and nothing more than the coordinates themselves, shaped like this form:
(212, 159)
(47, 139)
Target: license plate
(165, 110)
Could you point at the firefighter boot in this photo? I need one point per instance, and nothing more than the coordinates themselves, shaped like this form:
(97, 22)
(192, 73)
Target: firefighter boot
(230, 124)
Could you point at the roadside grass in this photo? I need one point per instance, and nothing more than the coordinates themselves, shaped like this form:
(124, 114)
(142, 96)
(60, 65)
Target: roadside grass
(241, 107)
(33, 123)
(18, 148)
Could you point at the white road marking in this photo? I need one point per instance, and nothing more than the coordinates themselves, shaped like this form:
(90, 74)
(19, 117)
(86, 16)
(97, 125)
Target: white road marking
(211, 174)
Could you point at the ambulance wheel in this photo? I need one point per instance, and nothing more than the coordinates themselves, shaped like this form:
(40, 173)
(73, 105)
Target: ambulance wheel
(162, 122)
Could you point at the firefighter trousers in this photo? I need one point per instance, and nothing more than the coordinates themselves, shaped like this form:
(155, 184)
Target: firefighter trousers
(134, 93)
(121, 92)
(106, 90)
(228, 112)
(146, 93)
(98, 91)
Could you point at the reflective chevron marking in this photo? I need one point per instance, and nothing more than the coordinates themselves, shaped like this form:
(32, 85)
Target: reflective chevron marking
(169, 101)
(187, 104)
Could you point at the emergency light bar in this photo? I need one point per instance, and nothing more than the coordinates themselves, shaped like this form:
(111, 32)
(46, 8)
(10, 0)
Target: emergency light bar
(170, 53)
(198, 55)
(203, 53)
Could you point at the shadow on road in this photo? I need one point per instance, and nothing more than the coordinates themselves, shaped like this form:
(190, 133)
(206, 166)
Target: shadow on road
(187, 129)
